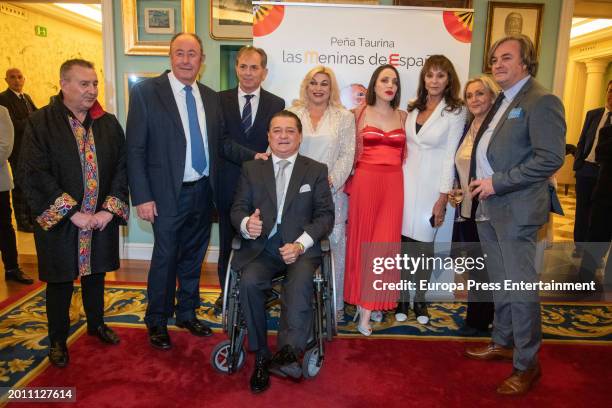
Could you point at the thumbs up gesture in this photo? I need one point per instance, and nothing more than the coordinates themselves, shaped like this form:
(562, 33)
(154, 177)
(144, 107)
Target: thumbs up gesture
(254, 224)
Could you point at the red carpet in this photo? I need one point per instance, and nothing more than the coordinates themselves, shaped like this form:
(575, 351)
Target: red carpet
(357, 372)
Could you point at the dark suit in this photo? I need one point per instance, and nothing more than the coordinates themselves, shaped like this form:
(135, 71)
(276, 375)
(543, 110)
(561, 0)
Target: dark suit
(600, 229)
(308, 208)
(586, 174)
(525, 150)
(19, 110)
(156, 164)
(229, 173)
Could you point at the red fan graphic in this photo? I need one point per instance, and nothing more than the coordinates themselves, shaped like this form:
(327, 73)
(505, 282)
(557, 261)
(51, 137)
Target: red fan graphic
(267, 18)
(459, 24)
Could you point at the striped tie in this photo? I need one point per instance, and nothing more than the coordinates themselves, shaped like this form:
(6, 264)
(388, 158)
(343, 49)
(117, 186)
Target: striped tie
(247, 120)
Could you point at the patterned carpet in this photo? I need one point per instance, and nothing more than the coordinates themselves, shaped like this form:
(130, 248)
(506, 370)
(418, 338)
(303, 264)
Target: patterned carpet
(564, 225)
(23, 326)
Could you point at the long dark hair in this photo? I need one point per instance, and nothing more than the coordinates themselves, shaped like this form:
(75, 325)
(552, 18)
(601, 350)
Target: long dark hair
(371, 95)
(451, 92)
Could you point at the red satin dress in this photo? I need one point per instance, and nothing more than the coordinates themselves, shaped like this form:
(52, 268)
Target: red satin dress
(376, 200)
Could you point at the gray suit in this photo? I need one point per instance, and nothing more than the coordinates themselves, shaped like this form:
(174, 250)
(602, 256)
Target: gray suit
(526, 148)
(6, 147)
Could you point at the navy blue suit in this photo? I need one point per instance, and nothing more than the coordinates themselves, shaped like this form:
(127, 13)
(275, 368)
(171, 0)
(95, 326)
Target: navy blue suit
(586, 174)
(229, 173)
(156, 164)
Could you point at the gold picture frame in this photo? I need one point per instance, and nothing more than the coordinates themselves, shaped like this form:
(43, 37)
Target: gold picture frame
(231, 20)
(138, 40)
(506, 18)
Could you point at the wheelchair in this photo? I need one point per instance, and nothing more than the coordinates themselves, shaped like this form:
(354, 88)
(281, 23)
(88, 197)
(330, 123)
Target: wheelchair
(229, 355)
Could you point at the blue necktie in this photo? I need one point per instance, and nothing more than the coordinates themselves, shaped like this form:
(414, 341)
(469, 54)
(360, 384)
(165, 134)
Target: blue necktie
(198, 155)
(246, 115)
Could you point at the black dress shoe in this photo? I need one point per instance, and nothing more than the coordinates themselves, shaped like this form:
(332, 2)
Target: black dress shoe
(58, 354)
(285, 363)
(105, 334)
(18, 275)
(195, 327)
(159, 338)
(260, 379)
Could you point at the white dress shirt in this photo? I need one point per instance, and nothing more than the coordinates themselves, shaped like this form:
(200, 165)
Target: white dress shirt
(178, 90)
(254, 102)
(304, 239)
(602, 123)
(483, 167)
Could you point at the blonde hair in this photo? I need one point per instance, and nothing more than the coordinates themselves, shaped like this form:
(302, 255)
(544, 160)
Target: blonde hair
(334, 92)
(488, 84)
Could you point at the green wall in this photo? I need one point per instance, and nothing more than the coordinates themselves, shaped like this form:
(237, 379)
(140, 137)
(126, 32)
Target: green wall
(140, 232)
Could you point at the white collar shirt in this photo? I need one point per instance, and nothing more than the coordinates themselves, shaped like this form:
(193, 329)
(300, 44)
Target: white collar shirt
(178, 90)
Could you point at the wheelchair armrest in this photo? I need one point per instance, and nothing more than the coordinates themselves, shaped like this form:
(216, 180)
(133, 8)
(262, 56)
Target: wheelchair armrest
(236, 243)
(325, 245)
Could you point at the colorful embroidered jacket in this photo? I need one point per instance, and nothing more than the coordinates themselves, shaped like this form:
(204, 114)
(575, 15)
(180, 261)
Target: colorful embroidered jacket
(67, 167)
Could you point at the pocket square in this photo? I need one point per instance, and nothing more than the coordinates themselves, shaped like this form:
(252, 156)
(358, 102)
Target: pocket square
(305, 188)
(516, 113)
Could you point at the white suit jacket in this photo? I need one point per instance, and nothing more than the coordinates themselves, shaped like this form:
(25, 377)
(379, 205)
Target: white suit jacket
(429, 167)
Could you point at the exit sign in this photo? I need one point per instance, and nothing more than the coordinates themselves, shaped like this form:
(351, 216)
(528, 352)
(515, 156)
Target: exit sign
(40, 31)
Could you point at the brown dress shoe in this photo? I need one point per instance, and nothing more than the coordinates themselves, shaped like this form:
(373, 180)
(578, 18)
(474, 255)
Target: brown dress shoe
(520, 381)
(491, 351)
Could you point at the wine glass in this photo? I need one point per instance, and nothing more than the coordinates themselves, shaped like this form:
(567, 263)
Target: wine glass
(481, 211)
(455, 197)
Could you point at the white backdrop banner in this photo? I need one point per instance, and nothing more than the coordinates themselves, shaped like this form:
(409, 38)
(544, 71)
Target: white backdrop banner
(354, 39)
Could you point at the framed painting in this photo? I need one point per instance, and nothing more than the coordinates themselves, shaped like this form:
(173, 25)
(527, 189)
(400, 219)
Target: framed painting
(148, 25)
(512, 18)
(231, 19)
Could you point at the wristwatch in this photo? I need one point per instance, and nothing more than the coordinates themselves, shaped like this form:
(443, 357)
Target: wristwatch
(302, 249)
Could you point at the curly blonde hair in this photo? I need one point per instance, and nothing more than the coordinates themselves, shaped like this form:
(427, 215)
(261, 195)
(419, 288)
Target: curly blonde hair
(334, 93)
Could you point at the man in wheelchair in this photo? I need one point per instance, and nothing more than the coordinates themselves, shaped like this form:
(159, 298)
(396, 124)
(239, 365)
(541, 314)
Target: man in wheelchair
(283, 207)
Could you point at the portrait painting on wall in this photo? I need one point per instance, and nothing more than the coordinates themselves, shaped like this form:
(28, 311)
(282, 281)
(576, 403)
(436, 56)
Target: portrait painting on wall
(511, 19)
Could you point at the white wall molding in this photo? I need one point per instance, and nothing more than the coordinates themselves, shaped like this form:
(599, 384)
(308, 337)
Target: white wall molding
(108, 34)
(59, 13)
(563, 45)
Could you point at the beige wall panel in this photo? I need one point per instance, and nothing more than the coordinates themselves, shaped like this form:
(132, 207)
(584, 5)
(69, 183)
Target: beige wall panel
(39, 58)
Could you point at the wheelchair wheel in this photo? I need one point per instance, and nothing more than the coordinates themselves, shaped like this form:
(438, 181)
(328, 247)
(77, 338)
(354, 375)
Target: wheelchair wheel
(329, 299)
(220, 358)
(311, 365)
